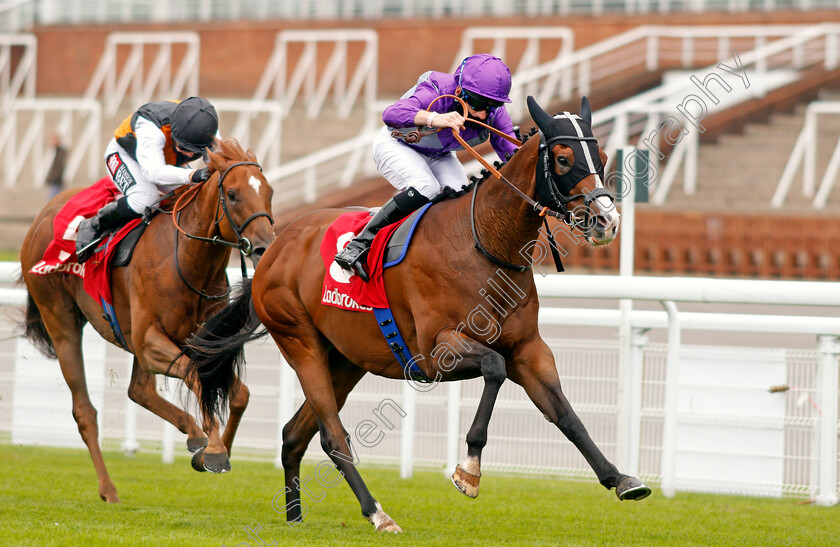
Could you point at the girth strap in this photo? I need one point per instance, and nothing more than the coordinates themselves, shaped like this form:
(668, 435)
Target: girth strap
(395, 341)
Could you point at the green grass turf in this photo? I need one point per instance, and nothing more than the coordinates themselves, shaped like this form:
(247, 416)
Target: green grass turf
(48, 496)
(9, 256)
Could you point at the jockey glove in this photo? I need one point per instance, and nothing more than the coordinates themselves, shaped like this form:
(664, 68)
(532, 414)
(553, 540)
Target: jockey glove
(200, 175)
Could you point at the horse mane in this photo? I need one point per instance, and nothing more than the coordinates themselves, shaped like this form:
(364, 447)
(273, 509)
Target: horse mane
(229, 149)
(449, 193)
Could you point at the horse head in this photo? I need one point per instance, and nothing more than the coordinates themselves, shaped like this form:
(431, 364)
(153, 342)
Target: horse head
(244, 197)
(570, 172)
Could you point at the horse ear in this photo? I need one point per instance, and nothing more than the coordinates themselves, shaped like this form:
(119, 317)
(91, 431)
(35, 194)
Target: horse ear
(212, 160)
(251, 156)
(542, 119)
(586, 111)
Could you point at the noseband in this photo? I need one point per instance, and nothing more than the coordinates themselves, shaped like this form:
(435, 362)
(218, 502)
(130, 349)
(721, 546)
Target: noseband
(554, 189)
(243, 244)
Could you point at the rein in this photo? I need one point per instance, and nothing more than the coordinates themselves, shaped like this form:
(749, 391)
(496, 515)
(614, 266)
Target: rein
(243, 244)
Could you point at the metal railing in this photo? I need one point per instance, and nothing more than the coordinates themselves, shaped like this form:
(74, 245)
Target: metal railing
(22, 137)
(122, 71)
(804, 158)
(17, 15)
(311, 84)
(266, 144)
(776, 49)
(51, 12)
(17, 81)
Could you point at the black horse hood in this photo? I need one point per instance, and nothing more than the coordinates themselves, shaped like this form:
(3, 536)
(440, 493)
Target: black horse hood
(574, 131)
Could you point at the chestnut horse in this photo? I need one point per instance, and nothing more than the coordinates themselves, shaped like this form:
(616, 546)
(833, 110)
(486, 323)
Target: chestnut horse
(172, 283)
(435, 293)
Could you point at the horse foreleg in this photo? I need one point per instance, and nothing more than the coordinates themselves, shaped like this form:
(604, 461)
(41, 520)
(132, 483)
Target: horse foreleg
(142, 389)
(302, 427)
(535, 371)
(479, 359)
(158, 354)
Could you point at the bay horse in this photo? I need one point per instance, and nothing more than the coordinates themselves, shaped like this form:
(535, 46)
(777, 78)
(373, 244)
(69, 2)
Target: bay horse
(435, 294)
(171, 284)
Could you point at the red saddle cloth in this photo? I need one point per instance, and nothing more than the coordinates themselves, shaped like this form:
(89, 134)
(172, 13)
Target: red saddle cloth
(343, 289)
(60, 255)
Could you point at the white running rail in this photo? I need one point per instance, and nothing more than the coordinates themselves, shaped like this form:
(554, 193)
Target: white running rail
(804, 156)
(122, 69)
(17, 80)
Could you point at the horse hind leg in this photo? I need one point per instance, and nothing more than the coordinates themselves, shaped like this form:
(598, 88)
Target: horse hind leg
(300, 430)
(238, 402)
(66, 334)
(310, 361)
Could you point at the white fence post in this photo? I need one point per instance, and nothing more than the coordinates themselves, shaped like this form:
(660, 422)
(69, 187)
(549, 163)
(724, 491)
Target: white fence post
(130, 444)
(637, 344)
(407, 431)
(669, 427)
(829, 348)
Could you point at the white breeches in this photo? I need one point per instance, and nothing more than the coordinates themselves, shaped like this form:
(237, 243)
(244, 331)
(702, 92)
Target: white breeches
(404, 167)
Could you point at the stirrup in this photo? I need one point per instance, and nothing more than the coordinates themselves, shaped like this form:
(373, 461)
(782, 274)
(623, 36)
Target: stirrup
(84, 254)
(356, 266)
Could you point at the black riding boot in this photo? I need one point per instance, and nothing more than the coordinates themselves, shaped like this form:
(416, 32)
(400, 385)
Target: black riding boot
(397, 208)
(91, 230)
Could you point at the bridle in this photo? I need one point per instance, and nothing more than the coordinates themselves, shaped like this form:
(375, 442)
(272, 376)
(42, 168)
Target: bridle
(243, 244)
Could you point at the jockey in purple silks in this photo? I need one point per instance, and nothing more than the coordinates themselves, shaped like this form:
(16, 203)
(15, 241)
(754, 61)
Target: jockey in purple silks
(420, 171)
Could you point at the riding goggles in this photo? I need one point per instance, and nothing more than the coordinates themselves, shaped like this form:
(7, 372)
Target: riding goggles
(479, 103)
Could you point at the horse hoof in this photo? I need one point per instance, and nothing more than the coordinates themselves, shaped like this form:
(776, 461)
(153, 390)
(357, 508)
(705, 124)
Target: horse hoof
(217, 463)
(197, 461)
(631, 488)
(109, 495)
(383, 522)
(196, 444)
(389, 527)
(466, 482)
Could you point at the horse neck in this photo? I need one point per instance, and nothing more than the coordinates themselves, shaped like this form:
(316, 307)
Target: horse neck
(506, 223)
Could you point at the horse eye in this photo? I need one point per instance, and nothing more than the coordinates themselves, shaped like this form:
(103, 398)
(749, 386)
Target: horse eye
(231, 195)
(562, 161)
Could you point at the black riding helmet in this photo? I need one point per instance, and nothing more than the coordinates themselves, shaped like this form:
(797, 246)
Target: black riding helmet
(194, 124)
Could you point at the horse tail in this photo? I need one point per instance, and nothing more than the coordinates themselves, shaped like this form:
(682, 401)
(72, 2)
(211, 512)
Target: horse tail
(216, 350)
(34, 330)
